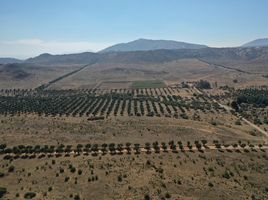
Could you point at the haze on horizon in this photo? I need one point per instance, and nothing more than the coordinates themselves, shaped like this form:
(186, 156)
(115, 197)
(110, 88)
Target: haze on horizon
(32, 27)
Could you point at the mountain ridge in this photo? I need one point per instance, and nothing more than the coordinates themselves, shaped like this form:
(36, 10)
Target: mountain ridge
(160, 55)
(9, 60)
(149, 44)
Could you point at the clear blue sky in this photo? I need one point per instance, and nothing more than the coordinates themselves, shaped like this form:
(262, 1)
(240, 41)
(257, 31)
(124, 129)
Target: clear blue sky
(29, 27)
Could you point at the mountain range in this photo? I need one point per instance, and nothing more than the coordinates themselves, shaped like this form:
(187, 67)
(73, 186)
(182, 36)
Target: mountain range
(154, 56)
(144, 50)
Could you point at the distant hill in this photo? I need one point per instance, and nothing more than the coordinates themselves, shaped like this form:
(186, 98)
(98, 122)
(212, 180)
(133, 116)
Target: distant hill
(146, 45)
(163, 55)
(79, 58)
(257, 43)
(9, 60)
(154, 56)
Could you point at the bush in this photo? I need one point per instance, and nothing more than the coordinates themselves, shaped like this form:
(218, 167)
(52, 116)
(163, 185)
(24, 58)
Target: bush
(213, 123)
(72, 169)
(238, 122)
(210, 184)
(29, 195)
(11, 169)
(203, 84)
(79, 172)
(119, 178)
(147, 197)
(3, 191)
(168, 196)
(226, 175)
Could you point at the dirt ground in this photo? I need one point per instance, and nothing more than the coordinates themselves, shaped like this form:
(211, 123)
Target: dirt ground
(208, 175)
(32, 129)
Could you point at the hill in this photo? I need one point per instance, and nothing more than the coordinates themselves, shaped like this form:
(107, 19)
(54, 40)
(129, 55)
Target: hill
(9, 60)
(257, 43)
(79, 58)
(153, 56)
(146, 45)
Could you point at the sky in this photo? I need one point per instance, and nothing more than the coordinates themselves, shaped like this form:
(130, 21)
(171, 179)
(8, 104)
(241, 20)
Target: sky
(31, 27)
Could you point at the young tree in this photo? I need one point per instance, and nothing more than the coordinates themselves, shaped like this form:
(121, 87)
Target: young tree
(137, 148)
(148, 147)
(112, 148)
(164, 146)
(128, 147)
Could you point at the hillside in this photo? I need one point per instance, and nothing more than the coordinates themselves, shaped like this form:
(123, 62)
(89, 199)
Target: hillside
(146, 45)
(79, 58)
(257, 43)
(154, 56)
(9, 60)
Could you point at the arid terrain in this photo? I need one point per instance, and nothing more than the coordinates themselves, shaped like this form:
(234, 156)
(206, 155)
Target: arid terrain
(127, 126)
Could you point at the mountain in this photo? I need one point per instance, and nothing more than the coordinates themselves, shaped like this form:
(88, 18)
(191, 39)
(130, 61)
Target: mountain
(154, 56)
(257, 43)
(166, 55)
(9, 60)
(145, 45)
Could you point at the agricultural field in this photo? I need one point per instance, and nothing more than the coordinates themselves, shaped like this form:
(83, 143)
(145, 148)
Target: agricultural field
(100, 143)
(251, 103)
(87, 115)
(81, 173)
(148, 84)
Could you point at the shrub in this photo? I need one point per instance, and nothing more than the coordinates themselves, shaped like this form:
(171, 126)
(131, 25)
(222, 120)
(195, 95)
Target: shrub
(210, 169)
(72, 169)
(29, 195)
(168, 195)
(11, 168)
(214, 123)
(202, 84)
(119, 178)
(3, 191)
(77, 197)
(79, 172)
(226, 175)
(210, 184)
(238, 122)
(147, 197)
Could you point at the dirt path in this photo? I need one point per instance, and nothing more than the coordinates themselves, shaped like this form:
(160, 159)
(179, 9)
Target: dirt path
(44, 86)
(244, 119)
(226, 67)
(229, 109)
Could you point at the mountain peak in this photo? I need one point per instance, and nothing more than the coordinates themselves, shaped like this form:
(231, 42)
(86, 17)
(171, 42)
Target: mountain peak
(149, 44)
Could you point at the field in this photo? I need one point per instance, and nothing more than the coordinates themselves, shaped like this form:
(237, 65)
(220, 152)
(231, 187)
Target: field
(148, 84)
(182, 175)
(101, 143)
(134, 131)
